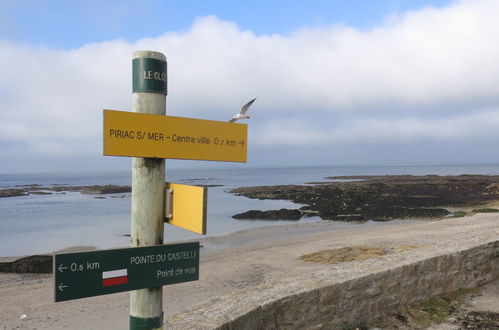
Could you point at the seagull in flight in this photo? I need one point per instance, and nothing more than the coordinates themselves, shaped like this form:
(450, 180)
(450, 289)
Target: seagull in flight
(242, 114)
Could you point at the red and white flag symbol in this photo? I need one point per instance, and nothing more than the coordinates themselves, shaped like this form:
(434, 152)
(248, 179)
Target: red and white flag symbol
(115, 277)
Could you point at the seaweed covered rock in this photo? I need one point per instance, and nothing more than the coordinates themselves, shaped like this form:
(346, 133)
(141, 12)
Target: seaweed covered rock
(40, 264)
(382, 198)
(282, 214)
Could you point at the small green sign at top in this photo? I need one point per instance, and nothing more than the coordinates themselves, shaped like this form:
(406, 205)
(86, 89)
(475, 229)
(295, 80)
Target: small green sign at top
(149, 75)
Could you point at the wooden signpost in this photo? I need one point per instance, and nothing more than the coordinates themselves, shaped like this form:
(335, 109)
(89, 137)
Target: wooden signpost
(150, 137)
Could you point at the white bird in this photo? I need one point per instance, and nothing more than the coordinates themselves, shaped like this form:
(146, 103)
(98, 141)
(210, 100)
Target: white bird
(242, 114)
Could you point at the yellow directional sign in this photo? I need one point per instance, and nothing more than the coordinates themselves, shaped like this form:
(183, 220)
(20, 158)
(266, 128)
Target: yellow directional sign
(185, 207)
(152, 136)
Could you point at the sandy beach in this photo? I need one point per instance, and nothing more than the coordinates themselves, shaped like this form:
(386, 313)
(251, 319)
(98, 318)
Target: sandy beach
(235, 264)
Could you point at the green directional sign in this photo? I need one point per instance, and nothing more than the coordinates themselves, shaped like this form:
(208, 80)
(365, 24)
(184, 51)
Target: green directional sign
(87, 274)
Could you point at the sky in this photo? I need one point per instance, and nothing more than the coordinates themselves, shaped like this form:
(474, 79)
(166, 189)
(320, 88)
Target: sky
(337, 82)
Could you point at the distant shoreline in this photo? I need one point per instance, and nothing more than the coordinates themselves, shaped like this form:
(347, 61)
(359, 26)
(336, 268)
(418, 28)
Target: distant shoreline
(36, 189)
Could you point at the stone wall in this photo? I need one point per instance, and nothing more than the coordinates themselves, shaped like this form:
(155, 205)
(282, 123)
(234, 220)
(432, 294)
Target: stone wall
(361, 299)
(328, 299)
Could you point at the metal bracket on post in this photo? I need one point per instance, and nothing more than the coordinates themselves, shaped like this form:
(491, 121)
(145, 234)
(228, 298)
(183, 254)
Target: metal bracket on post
(168, 210)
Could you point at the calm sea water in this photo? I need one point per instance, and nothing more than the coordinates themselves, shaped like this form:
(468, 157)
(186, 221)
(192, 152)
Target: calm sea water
(46, 223)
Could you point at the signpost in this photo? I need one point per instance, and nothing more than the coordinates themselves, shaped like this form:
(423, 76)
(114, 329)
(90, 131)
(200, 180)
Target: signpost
(150, 137)
(88, 274)
(145, 135)
(148, 177)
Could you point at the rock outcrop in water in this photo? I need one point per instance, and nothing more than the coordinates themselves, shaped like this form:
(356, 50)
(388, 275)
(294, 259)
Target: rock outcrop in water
(282, 214)
(34, 189)
(383, 198)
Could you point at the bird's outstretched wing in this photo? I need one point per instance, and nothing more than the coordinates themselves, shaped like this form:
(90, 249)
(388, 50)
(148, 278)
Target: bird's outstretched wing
(245, 107)
(242, 112)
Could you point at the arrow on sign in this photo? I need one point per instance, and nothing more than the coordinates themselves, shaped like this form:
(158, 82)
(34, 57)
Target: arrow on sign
(61, 287)
(62, 268)
(241, 142)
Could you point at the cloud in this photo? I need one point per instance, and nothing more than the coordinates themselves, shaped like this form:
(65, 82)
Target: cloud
(475, 125)
(427, 74)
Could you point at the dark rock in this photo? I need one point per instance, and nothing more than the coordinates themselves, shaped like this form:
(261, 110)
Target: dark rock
(383, 198)
(122, 196)
(108, 189)
(209, 185)
(12, 192)
(39, 190)
(282, 214)
(40, 264)
(479, 320)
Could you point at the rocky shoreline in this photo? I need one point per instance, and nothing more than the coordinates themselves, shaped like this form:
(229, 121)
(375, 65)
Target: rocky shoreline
(39, 264)
(380, 198)
(352, 198)
(35, 189)
(282, 214)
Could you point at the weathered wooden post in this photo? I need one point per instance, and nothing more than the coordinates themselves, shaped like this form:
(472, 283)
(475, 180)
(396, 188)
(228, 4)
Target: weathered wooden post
(148, 177)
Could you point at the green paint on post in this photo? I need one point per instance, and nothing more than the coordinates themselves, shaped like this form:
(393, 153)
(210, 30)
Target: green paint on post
(149, 75)
(145, 323)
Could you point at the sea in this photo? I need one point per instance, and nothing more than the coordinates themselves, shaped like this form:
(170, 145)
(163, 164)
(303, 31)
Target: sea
(39, 224)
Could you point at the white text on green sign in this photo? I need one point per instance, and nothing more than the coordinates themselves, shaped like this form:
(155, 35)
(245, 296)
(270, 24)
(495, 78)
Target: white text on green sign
(87, 274)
